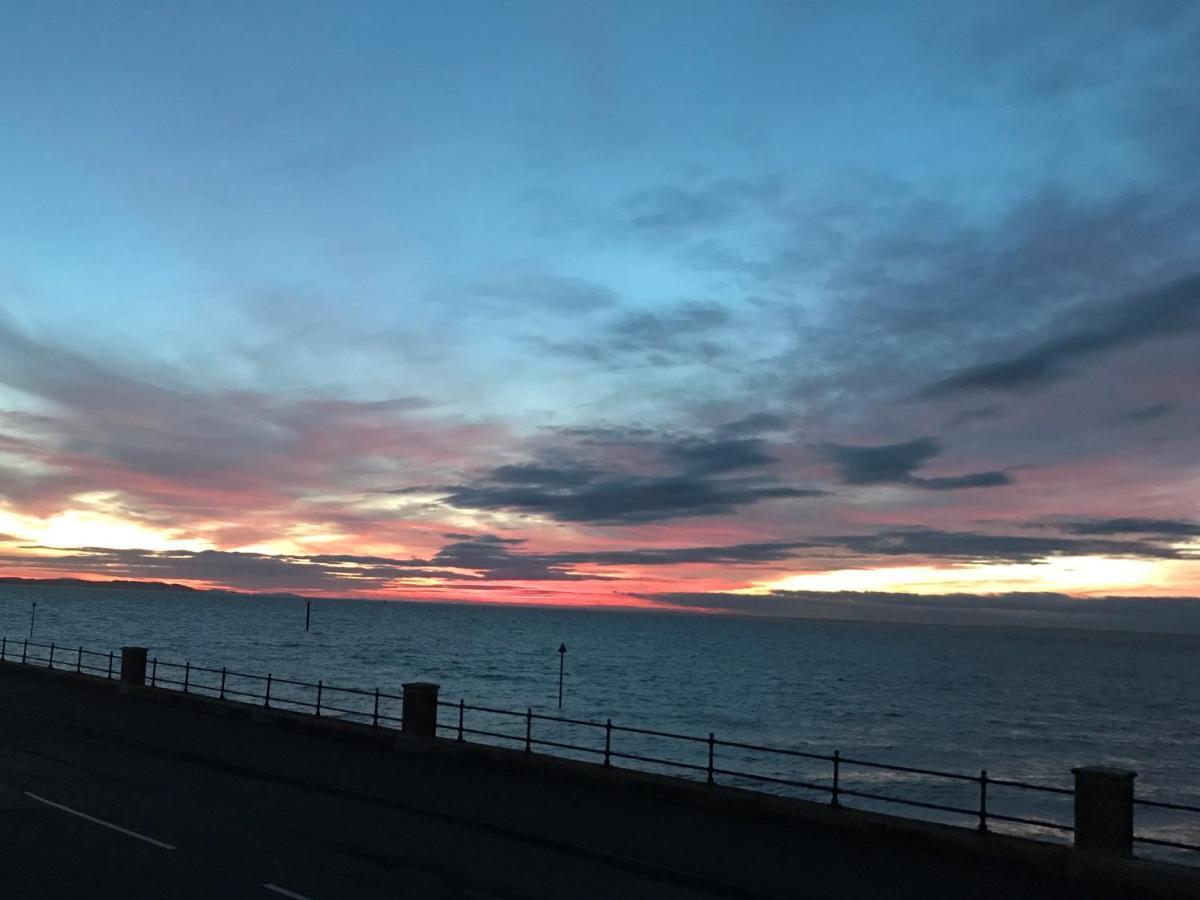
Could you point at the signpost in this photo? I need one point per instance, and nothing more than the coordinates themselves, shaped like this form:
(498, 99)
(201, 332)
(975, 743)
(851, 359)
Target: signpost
(562, 655)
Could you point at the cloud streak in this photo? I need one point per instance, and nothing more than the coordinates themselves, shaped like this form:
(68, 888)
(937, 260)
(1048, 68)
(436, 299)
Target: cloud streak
(1048, 609)
(896, 463)
(1172, 311)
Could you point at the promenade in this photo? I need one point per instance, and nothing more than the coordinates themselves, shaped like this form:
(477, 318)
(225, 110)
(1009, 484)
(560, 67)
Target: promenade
(137, 793)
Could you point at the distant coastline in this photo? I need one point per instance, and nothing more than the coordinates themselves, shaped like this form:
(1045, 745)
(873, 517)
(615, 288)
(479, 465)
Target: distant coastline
(125, 585)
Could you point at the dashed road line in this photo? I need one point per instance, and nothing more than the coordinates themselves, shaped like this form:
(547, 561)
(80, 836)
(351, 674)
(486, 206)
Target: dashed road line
(94, 820)
(285, 892)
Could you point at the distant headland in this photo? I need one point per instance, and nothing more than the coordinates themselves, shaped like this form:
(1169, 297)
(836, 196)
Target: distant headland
(125, 585)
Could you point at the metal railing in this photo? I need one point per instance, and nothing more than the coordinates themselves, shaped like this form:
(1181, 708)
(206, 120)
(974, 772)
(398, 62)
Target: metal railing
(376, 707)
(712, 770)
(1165, 842)
(58, 656)
(380, 709)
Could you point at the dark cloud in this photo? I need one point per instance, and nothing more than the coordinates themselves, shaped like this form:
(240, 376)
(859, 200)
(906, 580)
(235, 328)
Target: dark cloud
(721, 455)
(1172, 311)
(978, 414)
(252, 571)
(492, 557)
(489, 538)
(753, 424)
(1149, 413)
(1155, 614)
(473, 558)
(618, 499)
(886, 463)
(331, 573)
(971, 546)
(544, 475)
(895, 464)
(1167, 528)
(770, 551)
(959, 482)
(677, 335)
(622, 476)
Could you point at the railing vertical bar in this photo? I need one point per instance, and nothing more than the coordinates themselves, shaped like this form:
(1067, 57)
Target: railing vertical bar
(712, 743)
(3, 647)
(187, 674)
(267, 695)
(110, 662)
(79, 662)
(837, 765)
(983, 782)
(375, 715)
(320, 687)
(24, 651)
(222, 694)
(608, 743)
(154, 672)
(529, 730)
(462, 707)
(50, 664)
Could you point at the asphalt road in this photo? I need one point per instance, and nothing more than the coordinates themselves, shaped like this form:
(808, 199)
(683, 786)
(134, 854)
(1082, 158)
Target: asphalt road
(87, 817)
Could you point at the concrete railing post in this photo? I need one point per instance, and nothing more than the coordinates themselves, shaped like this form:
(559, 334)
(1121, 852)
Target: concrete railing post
(1104, 809)
(133, 666)
(419, 718)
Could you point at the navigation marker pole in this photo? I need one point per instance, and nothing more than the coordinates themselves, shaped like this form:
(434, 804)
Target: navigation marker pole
(33, 615)
(562, 655)
(307, 614)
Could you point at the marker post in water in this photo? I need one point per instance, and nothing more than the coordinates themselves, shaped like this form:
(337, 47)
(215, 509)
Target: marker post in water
(307, 614)
(33, 615)
(562, 655)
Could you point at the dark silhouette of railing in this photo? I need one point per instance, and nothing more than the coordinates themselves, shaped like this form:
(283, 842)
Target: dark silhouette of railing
(710, 771)
(379, 709)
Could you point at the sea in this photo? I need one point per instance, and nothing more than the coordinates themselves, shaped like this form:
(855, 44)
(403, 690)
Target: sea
(1025, 704)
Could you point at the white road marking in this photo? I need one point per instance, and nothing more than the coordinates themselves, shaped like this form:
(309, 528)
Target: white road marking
(285, 892)
(75, 812)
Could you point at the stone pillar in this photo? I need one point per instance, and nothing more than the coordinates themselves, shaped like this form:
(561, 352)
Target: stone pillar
(1104, 809)
(133, 666)
(420, 709)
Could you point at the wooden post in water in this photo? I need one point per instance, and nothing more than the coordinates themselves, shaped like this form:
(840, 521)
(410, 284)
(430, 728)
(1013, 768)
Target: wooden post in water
(562, 655)
(307, 614)
(32, 616)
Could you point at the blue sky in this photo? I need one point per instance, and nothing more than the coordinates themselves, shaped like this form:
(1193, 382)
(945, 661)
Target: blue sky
(384, 250)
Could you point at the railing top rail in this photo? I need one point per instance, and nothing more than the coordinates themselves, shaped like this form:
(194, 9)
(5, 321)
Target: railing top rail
(1163, 804)
(1030, 786)
(587, 723)
(492, 709)
(915, 770)
(360, 691)
(804, 754)
(666, 734)
(1164, 842)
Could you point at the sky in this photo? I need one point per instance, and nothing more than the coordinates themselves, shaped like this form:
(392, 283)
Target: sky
(799, 309)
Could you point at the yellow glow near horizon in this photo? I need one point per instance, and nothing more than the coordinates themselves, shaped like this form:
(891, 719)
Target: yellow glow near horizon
(92, 528)
(1074, 574)
(301, 539)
